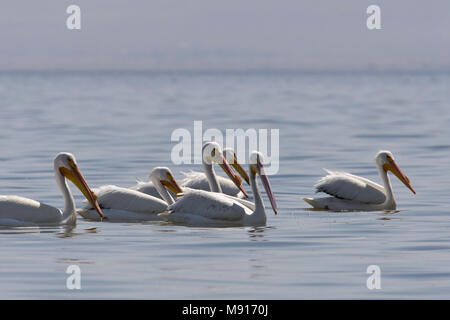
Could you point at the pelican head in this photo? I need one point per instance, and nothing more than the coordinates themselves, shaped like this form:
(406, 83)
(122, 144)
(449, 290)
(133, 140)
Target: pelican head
(385, 160)
(231, 157)
(257, 167)
(212, 152)
(66, 165)
(165, 177)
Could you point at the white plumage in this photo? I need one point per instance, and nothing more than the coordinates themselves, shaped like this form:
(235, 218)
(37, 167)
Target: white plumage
(17, 211)
(347, 186)
(116, 201)
(199, 205)
(198, 180)
(114, 197)
(123, 204)
(351, 192)
(146, 187)
(207, 180)
(203, 208)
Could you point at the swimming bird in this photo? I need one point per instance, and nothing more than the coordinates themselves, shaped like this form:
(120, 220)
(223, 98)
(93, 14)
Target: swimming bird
(123, 204)
(207, 180)
(354, 193)
(200, 180)
(17, 211)
(203, 208)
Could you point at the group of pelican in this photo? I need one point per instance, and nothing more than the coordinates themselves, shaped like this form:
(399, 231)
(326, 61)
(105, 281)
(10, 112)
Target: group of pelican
(202, 199)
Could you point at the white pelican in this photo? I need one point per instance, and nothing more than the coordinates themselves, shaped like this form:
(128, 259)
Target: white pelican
(208, 180)
(350, 192)
(123, 204)
(18, 211)
(202, 208)
(201, 180)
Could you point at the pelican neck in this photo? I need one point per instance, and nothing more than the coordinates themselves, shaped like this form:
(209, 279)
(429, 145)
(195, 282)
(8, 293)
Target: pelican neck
(386, 184)
(69, 202)
(214, 185)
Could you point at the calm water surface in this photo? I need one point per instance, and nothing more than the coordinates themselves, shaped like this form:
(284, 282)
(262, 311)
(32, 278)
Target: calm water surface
(119, 127)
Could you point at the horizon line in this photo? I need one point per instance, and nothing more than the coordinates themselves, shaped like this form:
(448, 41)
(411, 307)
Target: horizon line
(374, 70)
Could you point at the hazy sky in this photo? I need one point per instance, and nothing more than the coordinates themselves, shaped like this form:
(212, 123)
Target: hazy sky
(227, 34)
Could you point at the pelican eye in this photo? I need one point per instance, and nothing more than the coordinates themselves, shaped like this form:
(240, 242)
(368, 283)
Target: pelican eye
(169, 176)
(71, 162)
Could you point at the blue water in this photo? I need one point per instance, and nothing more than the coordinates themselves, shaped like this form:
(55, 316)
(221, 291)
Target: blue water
(119, 127)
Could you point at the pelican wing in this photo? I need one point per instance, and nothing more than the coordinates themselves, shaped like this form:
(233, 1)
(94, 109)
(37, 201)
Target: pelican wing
(198, 180)
(250, 205)
(147, 188)
(210, 205)
(113, 197)
(347, 186)
(27, 210)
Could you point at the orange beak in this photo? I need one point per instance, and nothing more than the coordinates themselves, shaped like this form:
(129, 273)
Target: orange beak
(236, 180)
(395, 169)
(267, 186)
(77, 179)
(172, 185)
(239, 169)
